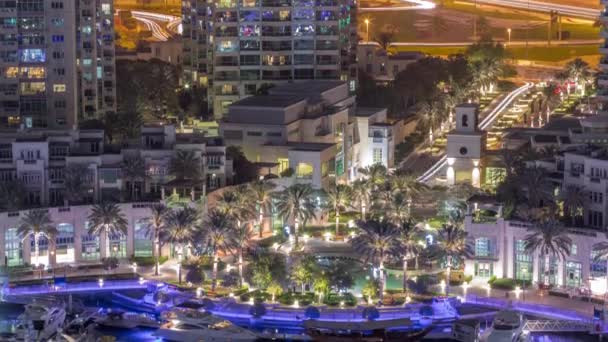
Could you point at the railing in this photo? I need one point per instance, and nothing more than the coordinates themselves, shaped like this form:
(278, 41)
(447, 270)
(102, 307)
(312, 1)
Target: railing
(558, 325)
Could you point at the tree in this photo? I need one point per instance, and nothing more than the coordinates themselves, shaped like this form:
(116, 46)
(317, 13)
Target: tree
(36, 223)
(157, 227)
(262, 191)
(552, 95)
(240, 239)
(386, 37)
(550, 239)
(375, 174)
(77, 183)
(370, 289)
(237, 204)
(321, 286)
(338, 197)
(274, 289)
(107, 219)
(12, 194)
(218, 226)
(134, 170)
(408, 245)
(180, 230)
(303, 269)
(377, 241)
(244, 170)
(296, 202)
(341, 274)
(453, 245)
(185, 165)
(575, 199)
(406, 182)
(397, 207)
(430, 115)
(578, 71)
(361, 193)
(265, 268)
(534, 181)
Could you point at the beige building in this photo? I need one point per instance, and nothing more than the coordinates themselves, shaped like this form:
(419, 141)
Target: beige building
(381, 65)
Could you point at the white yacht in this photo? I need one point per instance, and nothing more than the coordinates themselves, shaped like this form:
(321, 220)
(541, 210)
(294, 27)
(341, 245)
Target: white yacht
(193, 326)
(508, 326)
(39, 322)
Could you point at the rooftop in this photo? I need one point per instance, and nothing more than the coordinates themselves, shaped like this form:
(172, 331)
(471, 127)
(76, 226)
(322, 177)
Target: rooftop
(310, 147)
(305, 88)
(367, 111)
(274, 101)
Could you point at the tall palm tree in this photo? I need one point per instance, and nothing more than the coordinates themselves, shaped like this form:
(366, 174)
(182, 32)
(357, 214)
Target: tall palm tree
(551, 97)
(296, 202)
(361, 193)
(430, 115)
(106, 219)
(408, 183)
(377, 241)
(575, 198)
(240, 239)
(453, 245)
(534, 181)
(76, 183)
(338, 197)
(261, 191)
(408, 245)
(134, 170)
(156, 224)
(550, 239)
(186, 166)
(397, 208)
(180, 230)
(376, 174)
(36, 223)
(217, 227)
(579, 71)
(237, 204)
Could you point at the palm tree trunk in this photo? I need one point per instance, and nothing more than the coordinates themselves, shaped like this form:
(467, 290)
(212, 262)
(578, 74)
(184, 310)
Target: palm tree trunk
(261, 221)
(295, 230)
(448, 272)
(382, 280)
(241, 266)
(416, 263)
(362, 210)
(547, 270)
(337, 222)
(157, 241)
(214, 275)
(36, 249)
(405, 275)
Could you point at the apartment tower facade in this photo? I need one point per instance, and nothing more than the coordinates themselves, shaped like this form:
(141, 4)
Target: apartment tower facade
(235, 48)
(56, 62)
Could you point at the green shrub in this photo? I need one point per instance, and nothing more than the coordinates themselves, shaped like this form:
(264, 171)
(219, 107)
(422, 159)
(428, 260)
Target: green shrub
(507, 284)
(492, 279)
(206, 263)
(148, 261)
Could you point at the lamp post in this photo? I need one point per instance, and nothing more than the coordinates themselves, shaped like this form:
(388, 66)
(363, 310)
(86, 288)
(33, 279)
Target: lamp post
(509, 34)
(367, 28)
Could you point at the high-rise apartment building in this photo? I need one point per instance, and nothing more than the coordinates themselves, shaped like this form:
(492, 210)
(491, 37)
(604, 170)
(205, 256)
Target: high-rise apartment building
(235, 47)
(56, 62)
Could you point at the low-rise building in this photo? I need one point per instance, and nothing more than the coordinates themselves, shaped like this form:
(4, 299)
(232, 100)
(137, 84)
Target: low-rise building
(38, 161)
(314, 128)
(381, 65)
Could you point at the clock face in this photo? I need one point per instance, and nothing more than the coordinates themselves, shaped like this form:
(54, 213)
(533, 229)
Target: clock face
(463, 150)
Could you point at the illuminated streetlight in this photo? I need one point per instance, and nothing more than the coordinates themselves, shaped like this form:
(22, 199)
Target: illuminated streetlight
(509, 33)
(367, 27)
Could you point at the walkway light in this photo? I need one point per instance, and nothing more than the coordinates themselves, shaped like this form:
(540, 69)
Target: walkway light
(517, 291)
(141, 280)
(306, 237)
(251, 301)
(408, 299)
(199, 292)
(327, 236)
(341, 303)
(296, 304)
(442, 284)
(231, 295)
(100, 282)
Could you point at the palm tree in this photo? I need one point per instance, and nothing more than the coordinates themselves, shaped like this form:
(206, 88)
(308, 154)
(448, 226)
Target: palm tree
(240, 239)
(453, 245)
(551, 97)
(376, 174)
(534, 181)
(106, 219)
(134, 170)
(218, 226)
(36, 223)
(296, 201)
(579, 71)
(361, 193)
(76, 183)
(430, 115)
(180, 230)
(261, 191)
(397, 207)
(237, 204)
(156, 224)
(575, 198)
(550, 239)
(408, 244)
(186, 166)
(338, 197)
(377, 241)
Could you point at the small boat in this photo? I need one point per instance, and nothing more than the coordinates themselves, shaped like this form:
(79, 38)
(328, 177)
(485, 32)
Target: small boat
(39, 322)
(194, 326)
(508, 326)
(126, 320)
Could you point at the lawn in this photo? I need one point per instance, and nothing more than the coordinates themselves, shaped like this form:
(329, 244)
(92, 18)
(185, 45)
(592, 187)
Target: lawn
(536, 53)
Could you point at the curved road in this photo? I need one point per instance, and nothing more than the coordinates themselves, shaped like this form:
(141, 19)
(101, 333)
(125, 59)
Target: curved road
(540, 6)
(483, 125)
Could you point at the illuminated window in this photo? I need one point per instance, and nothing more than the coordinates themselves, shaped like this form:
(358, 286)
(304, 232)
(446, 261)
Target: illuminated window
(87, 61)
(377, 156)
(32, 55)
(283, 164)
(32, 88)
(11, 72)
(304, 171)
(58, 88)
(106, 9)
(33, 72)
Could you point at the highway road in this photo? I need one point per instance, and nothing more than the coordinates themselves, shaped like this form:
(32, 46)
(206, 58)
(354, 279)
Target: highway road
(408, 5)
(163, 26)
(541, 6)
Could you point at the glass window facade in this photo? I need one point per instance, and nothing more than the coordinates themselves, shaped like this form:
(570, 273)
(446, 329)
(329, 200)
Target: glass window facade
(482, 247)
(143, 240)
(574, 274)
(65, 243)
(483, 269)
(552, 272)
(13, 248)
(523, 262)
(118, 246)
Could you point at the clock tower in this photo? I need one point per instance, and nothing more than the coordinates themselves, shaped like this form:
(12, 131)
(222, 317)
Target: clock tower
(465, 146)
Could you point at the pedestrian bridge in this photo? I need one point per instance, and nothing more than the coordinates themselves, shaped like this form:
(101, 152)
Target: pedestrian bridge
(558, 326)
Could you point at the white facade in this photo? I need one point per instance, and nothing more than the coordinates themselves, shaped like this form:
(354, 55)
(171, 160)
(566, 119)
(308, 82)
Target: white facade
(465, 146)
(38, 160)
(499, 252)
(56, 62)
(74, 244)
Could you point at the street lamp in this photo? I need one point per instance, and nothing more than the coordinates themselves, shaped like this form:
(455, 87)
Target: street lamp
(367, 27)
(509, 33)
